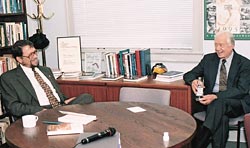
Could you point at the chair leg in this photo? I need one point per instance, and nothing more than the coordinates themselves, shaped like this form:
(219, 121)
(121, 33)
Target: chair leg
(238, 134)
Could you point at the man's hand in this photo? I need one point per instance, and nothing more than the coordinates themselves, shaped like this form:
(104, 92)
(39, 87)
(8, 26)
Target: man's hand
(195, 85)
(69, 100)
(207, 99)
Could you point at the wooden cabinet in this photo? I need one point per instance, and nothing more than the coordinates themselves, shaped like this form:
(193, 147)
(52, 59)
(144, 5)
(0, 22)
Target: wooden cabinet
(72, 88)
(13, 24)
(109, 90)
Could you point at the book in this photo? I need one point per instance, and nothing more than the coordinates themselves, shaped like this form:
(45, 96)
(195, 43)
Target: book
(172, 79)
(107, 142)
(112, 78)
(171, 74)
(145, 62)
(133, 64)
(135, 79)
(126, 65)
(64, 128)
(108, 63)
(121, 53)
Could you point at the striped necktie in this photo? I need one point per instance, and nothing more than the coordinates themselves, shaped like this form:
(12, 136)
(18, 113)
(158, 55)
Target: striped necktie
(223, 76)
(52, 99)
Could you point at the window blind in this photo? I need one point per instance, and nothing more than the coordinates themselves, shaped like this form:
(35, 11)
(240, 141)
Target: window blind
(133, 23)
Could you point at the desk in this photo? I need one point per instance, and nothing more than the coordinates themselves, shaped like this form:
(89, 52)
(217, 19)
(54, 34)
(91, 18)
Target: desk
(138, 130)
(109, 90)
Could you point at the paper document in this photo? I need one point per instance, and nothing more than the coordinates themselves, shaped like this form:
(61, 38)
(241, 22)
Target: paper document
(136, 109)
(77, 118)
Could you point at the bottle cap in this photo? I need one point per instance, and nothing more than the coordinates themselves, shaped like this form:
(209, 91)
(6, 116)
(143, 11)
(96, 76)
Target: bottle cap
(165, 134)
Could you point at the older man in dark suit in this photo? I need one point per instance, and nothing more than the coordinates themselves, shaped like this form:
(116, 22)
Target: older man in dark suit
(221, 102)
(23, 94)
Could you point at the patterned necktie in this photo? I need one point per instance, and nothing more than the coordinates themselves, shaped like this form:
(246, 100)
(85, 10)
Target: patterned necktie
(52, 99)
(223, 76)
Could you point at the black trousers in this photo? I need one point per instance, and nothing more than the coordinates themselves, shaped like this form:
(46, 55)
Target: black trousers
(217, 119)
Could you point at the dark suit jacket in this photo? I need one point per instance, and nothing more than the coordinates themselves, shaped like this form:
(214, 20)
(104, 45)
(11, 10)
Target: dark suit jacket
(238, 82)
(18, 94)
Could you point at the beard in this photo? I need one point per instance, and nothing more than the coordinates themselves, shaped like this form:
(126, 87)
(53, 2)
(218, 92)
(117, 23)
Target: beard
(34, 63)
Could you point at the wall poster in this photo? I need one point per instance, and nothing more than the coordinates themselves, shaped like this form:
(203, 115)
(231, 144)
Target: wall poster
(227, 15)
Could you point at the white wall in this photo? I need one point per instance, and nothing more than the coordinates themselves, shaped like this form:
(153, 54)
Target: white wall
(54, 27)
(57, 26)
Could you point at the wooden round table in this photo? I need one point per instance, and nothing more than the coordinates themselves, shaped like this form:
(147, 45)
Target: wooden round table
(137, 130)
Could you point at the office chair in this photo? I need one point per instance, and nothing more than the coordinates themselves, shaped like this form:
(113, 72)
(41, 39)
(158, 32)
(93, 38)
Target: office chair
(133, 94)
(247, 128)
(234, 123)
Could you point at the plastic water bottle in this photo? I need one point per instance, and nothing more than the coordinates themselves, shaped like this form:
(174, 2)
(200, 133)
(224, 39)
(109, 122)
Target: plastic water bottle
(166, 139)
(199, 92)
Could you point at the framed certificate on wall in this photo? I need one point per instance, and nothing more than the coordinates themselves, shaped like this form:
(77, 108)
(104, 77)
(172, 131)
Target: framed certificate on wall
(69, 54)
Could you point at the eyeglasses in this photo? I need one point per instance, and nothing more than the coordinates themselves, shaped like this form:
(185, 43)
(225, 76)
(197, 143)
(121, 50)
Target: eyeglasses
(31, 54)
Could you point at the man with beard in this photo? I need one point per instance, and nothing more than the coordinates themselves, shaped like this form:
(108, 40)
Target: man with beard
(23, 93)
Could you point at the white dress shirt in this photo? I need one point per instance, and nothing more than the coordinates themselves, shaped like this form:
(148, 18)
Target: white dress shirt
(41, 95)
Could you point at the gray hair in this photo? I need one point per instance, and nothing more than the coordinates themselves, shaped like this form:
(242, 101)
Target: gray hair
(230, 37)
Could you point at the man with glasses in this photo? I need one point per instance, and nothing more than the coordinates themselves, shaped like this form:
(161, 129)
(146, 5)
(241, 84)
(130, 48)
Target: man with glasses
(226, 84)
(23, 93)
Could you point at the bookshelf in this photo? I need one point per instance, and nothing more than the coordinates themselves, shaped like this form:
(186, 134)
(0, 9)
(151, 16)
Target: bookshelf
(13, 24)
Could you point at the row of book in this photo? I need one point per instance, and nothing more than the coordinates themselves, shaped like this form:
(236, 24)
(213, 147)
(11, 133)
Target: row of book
(131, 65)
(11, 6)
(10, 32)
(7, 63)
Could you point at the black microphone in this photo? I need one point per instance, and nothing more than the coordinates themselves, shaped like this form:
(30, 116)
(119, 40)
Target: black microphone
(107, 133)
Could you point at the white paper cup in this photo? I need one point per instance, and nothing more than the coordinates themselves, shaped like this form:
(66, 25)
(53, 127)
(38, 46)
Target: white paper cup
(29, 121)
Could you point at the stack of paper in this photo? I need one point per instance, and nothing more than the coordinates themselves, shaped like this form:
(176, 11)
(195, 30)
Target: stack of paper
(71, 74)
(76, 118)
(57, 73)
(170, 76)
(91, 77)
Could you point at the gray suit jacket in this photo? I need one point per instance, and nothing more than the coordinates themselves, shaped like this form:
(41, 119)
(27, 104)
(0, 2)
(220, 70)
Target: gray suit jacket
(238, 82)
(18, 94)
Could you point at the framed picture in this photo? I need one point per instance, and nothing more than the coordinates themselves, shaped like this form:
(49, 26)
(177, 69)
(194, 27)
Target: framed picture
(227, 15)
(93, 61)
(69, 54)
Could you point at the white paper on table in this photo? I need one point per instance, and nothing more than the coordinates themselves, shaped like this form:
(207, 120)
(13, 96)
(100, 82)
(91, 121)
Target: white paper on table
(136, 109)
(78, 118)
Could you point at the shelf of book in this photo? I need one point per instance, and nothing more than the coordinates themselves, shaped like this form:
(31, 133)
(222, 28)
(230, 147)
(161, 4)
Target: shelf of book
(13, 24)
(129, 64)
